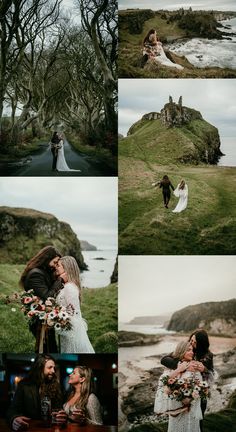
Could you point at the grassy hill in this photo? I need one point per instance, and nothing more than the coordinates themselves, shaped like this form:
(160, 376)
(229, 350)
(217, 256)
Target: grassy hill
(130, 47)
(207, 226)
(150, 141)
(99, 308)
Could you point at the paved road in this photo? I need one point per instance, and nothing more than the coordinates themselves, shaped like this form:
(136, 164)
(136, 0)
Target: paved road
(40, 163)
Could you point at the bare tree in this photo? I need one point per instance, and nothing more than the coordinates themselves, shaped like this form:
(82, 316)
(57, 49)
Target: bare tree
(21, 22)
(99, 19)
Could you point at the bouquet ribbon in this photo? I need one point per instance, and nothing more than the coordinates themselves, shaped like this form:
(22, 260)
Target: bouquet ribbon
(42, 337)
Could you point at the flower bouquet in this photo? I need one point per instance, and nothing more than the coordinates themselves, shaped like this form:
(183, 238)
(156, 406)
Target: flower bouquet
(48, 313)
(185, 390)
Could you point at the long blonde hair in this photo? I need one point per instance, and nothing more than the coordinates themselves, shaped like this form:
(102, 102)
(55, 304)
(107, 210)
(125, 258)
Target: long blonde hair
(181, 349)
(85, 390)
(72, 270)
(182, 184)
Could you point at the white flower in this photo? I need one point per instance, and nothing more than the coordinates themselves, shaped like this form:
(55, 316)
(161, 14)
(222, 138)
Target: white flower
(63, 315)
(48, 303)
(33, 306)
(204, 384)
(180, 381)
(57, 327)
(42, 315)
(52, 315)
(13, 309)
(186, 393)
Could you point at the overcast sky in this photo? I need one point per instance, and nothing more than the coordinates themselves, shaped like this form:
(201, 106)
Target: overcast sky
(214, 98)
(88, 204)
(155, 285)
(229, 5)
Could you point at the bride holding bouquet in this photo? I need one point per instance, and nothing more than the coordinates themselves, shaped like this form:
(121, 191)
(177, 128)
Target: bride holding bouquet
(180, 392)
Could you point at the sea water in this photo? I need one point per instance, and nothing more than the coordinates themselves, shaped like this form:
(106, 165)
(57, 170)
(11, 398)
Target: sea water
(99, 270)
(203, 53)
(228, 147)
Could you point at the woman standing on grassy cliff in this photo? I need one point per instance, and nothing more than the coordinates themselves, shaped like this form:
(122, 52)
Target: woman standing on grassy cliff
(75, 340)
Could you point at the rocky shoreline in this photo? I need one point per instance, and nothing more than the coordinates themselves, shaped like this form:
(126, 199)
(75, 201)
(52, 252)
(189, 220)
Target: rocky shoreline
(138, 381)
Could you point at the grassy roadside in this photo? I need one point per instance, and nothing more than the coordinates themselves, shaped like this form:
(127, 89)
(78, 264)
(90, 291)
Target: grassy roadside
(24, 150)
(207, 226)
(99, 308)
(97, 153)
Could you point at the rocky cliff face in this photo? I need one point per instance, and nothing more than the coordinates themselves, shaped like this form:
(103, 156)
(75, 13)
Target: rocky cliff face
(216, 317)
(86, 246)
(135, 19)
(23, 232)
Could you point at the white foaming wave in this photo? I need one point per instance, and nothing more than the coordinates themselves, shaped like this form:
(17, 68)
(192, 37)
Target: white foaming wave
(203, 53)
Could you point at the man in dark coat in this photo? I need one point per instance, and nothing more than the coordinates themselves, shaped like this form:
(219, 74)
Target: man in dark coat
(41, 384)
(39, 276)
(54, 149)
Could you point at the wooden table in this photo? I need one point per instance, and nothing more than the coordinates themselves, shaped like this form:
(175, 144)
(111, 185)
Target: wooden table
(38, 426)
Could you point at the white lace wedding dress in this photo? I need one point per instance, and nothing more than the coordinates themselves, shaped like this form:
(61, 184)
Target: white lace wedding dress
(182, 194)
(188, 421)
(61, 161)
(93, 410)
(75, 340)
(164, 61)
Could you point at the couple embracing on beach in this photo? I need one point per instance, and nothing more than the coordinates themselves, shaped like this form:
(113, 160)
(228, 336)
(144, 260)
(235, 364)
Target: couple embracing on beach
(184, 386)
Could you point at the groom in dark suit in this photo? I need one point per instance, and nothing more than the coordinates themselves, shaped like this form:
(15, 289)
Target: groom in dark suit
(39, 276)
(41, 383)
(54, 149)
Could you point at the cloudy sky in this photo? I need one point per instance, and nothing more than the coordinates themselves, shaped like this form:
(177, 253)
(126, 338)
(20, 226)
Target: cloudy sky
(88, 204)
(228, 5)
(214, 98)
(155, 285)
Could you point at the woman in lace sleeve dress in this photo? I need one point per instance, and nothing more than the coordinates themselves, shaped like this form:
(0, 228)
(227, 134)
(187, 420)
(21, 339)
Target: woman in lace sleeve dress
(75, 340)
(82, 406)
(185, 415)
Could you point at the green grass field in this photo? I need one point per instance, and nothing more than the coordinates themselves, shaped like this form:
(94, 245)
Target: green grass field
(99, 308)
(207, 226)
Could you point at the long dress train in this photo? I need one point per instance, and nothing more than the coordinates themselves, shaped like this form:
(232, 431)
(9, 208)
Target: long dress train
(61, 161)
(164, 61)
(182, 194)
(75, 340)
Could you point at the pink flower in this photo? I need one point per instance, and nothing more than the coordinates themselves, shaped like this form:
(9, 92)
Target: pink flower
(30, 314)
(27, 300)
(171, 381)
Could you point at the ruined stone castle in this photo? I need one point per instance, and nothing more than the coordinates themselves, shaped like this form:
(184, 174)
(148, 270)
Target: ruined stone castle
(174, 114)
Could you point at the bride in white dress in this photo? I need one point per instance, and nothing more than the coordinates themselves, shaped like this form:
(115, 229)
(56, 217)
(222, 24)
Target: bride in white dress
(183, 417)
(75, 340)
(61, 161)
(152, 49)
(181, 192)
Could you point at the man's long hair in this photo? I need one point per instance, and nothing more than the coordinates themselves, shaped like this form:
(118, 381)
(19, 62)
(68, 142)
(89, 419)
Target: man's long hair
(146, 38)
(55, 138)
(86, 387)
(36, 376)
(40, 260)
(165, 180)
